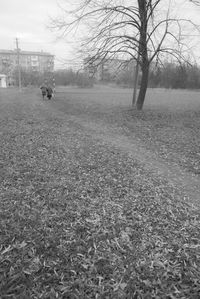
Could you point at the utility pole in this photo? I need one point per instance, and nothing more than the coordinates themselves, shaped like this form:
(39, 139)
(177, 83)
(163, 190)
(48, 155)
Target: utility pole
(18, 65)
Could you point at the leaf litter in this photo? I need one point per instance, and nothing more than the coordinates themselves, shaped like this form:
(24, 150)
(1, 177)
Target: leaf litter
(81, 220)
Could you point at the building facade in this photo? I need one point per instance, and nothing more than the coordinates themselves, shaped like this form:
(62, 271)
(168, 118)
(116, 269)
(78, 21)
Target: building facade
(3, 81)
(28, 61)
(107, 70)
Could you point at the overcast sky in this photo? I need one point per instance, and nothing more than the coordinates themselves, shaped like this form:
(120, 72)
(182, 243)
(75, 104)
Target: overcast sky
(28, 20)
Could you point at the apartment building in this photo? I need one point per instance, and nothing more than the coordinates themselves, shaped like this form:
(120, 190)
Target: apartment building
(28, 60)
(106, 70)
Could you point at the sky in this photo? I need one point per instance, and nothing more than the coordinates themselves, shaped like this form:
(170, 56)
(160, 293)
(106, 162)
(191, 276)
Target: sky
(28, 21)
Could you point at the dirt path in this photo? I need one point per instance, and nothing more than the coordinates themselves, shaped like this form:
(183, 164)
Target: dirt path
(188, 183)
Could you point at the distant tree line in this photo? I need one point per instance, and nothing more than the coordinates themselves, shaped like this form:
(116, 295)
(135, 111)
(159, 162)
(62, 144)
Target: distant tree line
(31, 78)
(175, 76)
(62, 77)
(70, 77)
(168, 75)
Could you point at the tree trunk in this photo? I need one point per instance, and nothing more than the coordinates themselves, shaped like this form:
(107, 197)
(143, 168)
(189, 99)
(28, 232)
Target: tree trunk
(143, 88)
(135, 83)
(143, 7)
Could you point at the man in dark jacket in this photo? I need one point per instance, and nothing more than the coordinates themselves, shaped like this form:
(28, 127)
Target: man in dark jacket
(49, 92)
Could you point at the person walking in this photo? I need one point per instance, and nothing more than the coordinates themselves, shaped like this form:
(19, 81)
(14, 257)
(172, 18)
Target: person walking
(44, 90)
(49, 92)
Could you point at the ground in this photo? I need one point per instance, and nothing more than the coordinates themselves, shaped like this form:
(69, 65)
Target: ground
(99, 200)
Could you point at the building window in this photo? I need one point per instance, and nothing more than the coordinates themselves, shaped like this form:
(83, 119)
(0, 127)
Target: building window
(34, 58)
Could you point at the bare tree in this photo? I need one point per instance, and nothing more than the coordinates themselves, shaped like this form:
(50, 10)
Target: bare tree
(195, 1)
(140, 30)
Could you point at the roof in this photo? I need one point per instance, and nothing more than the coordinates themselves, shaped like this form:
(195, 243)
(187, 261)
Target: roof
(41, 53)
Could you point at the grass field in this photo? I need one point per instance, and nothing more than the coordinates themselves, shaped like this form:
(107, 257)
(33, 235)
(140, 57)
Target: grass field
(99, 200)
